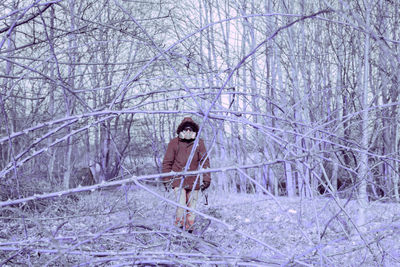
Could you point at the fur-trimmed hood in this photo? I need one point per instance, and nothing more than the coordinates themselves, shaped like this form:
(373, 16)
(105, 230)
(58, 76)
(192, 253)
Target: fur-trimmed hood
(187, 121)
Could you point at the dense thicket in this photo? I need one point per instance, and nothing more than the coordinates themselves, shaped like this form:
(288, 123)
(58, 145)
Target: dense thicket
(309, 87)
(294, 98)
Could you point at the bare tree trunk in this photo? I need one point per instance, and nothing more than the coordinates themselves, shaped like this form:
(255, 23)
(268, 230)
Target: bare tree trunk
(52, 90)
(290, 182)
(275, 181)
(365, 128)
(334, 177)
(9, 118)
(68, 99)
(395, 113)
(396, 175)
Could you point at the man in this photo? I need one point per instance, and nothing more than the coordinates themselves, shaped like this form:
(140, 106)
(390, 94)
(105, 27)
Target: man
(186, 187)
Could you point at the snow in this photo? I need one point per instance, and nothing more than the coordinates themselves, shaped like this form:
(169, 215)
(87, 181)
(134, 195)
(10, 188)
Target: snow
(131, 226)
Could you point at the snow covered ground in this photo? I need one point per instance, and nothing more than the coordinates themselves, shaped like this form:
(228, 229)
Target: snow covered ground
(131, 226)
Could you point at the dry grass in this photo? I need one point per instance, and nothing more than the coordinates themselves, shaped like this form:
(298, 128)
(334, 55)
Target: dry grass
(128, 226)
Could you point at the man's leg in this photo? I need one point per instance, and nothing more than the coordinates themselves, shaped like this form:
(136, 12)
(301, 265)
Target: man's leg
(192, 197)
(180, 196)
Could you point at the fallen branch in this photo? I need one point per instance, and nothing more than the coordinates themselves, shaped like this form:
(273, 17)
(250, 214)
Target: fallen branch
(131, 180)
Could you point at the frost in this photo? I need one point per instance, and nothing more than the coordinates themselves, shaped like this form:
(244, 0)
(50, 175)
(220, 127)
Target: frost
(292, 211)
(231, 227)
(124, 221)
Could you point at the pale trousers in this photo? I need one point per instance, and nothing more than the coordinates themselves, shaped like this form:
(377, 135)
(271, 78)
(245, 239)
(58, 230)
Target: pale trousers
(188, 198)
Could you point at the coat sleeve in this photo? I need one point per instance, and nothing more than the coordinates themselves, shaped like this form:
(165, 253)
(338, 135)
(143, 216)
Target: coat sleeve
(205, 161)
(168, 160)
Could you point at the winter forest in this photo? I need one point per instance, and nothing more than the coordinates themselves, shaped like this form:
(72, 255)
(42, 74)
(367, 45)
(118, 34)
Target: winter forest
(297, 103)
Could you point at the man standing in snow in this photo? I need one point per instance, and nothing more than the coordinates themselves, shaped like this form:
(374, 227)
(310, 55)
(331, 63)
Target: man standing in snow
(186, 187)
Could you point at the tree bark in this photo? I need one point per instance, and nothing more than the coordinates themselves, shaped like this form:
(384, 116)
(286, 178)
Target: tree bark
(365, 127)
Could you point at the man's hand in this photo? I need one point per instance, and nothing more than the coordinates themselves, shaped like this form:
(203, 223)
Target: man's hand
(204, 186)
(166, 187)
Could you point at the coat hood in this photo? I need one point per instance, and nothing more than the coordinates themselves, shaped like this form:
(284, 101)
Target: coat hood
(187, 121)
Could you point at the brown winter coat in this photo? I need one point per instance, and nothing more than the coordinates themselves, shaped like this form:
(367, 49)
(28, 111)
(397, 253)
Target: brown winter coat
(177, 155)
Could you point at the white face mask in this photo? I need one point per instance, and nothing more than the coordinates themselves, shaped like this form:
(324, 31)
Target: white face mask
(187, 135)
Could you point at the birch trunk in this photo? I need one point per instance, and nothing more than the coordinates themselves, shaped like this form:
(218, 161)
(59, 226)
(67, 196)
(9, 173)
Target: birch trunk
(365, 129)
(52, 151)
(68, 99)
(290, 185)
(8, 118)
(396, 172)
(396, 165)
